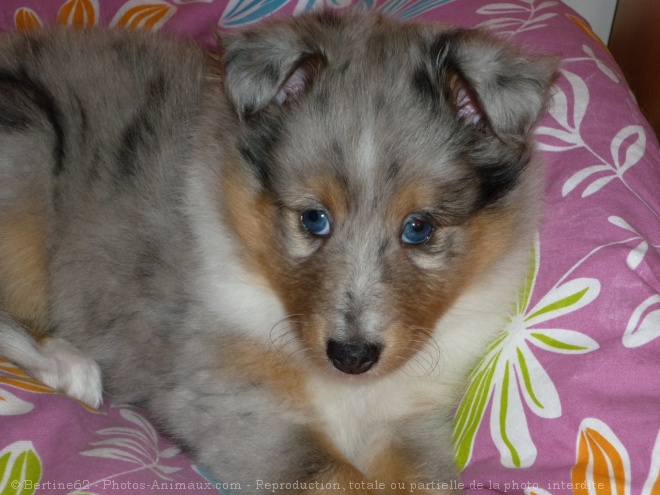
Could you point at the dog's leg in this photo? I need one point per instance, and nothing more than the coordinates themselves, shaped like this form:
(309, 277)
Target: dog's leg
(339, 477)
(53, 361)
(412, 460)
(392, 473)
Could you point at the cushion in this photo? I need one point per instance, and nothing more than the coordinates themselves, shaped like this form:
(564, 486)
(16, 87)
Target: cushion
(567, 398)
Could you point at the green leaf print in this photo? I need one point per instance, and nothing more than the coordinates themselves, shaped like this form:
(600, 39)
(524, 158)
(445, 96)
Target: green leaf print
(504, 408)
(558, 344)
(471, 411)
(563, 303)
(526, 291)
(20, 469)
(524, 371)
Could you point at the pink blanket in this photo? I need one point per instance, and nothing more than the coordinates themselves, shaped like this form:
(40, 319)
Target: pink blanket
(568, 398)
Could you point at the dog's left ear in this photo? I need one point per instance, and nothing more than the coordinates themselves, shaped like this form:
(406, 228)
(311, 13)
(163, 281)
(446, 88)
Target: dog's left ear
(491, 83)
(268, 66)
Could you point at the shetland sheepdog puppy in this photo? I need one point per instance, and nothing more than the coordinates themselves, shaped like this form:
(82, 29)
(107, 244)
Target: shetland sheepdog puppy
(290, 249)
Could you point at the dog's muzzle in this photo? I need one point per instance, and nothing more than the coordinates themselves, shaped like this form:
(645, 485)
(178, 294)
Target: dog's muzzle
(353, 357)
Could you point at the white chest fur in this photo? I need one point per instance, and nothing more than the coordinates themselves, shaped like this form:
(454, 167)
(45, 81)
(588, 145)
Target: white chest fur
(359, 415)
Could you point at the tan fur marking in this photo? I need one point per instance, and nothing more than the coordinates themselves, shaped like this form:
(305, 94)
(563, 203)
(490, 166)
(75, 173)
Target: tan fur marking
(411, 198)
(389, 473)
(255, 363)
(338, 471)
(491, 234)
(332, 195)
(250, 215)
(23, 277)
(391, 468)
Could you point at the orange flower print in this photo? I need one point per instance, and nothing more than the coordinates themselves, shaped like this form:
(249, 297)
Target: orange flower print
(79, 13)
(14, 377)
(602, 462)
(603, 466)
(149, 15)
(27, 20)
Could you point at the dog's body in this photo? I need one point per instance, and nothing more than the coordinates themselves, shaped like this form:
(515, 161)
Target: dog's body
(291, 251)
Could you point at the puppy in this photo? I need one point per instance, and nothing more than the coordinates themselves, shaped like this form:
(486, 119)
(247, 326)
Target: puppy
(290, 250)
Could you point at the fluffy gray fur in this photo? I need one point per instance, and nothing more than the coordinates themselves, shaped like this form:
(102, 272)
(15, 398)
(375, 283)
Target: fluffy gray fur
(119, 142)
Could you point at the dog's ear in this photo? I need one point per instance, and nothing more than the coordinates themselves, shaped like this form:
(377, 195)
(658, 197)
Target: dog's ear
(268, 66)
(490, 83)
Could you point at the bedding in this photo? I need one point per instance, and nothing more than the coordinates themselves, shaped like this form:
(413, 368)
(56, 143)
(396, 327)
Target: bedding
(567, 400)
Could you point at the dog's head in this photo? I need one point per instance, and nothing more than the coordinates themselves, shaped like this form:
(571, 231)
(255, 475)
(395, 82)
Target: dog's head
(382, 169)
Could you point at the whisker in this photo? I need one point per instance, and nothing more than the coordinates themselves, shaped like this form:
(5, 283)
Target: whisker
(426, 353)
(274, 339)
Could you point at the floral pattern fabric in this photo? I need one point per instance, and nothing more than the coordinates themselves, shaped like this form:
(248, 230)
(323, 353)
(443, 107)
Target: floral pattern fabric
(567, 398)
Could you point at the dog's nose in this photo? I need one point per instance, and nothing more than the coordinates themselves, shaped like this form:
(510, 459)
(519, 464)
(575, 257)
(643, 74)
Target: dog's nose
(353, 357)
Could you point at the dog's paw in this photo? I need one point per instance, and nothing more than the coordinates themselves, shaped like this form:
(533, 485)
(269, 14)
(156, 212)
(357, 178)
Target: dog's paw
(71, 372)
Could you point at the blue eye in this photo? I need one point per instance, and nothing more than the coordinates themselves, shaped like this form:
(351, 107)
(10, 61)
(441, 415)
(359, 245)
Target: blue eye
(416, 230)
(316, 222)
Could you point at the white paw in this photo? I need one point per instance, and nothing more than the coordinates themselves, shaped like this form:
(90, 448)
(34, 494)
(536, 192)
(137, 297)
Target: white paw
(71, 372)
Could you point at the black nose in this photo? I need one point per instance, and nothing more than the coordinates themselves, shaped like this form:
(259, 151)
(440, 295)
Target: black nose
(353, 357)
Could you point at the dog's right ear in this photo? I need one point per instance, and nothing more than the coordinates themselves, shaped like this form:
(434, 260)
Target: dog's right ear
(268, 66)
